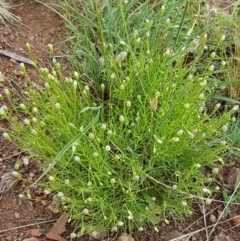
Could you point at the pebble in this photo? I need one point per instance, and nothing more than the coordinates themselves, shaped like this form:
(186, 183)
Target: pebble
(212, 218)
(17, 215)
(125, 237)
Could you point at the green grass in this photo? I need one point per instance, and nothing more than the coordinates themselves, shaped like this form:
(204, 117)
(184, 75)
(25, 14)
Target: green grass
(126, 140)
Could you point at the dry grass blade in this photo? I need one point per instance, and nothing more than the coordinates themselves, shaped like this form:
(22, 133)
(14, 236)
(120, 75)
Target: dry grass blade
(5, 14)
(7, 182)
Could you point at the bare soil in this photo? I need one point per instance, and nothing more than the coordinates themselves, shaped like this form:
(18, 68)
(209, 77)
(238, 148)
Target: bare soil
(41, 26)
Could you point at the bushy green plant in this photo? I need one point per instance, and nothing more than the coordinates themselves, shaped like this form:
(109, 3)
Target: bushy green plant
(126, 140)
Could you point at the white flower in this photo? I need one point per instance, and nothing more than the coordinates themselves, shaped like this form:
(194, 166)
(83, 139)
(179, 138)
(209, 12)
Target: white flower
(236, 107)
(184, 203)
(187, 106)
(213, 55)
(174, 186)
(137, 178)
(16, 174)
(224, 128)
(34, 119)
(121, 57)
(7, 92)
(180, 132)
(60, 194)
(140, 229)
(75, 84)
(217, 188)
(203, 83)
(104, 126)
(109, 132)
(201, 96)
(76, 158)
(223, 63)
(206, 190)
(197, 165)
(191, 135)
(26, 121)
(22, 106)
(148, 34)
(57, 105)
(112, 180)
(215, 170)
(67, 181)
(91, 136)
(95, 154)
(168, 20)
(208, 201)
(94, 233)
(73, 235)
(234, 119)
(89, 184)
(85, 211)
(223, 143)
(128, 103)
(211, 68)
(46, 191)
(121, 118)
(153, 199)
(120, 223)
(156, 229)
(138, 40)
(89, 199)
(35, 110)
(175, 139)
(2, 111)
(159, 141)
(51, 178)
(108, 148)
(223, 37)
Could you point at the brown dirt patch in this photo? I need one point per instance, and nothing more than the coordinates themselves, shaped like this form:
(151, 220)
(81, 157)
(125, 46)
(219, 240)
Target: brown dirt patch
(42, 26)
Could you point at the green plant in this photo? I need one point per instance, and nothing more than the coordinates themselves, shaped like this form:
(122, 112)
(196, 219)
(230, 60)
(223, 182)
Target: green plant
(125, 140)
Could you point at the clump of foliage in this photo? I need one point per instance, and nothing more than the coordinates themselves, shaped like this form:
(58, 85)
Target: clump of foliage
(128, 136)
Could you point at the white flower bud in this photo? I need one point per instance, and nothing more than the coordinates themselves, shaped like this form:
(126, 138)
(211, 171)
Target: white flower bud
(76, 158)
(57, 105)
(26, 121)
(112, 180)
(187, 106)
(121, 118)
(180, 132)
(211, 68)
(85, 211)
(91, 136)
(108, 148)
(224, 128)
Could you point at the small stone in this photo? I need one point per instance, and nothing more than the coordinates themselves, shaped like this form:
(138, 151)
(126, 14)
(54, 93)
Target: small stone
(17, 215)
(125, 237)
(212, 218)
(52, 31)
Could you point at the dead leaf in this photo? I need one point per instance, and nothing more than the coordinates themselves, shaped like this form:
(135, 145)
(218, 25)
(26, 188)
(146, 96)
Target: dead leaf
(31, 239)
(154, 104)
(222, 237)
(173, 235)
(60, 226)
(236, 219)
(37, 232)
(54, 236)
